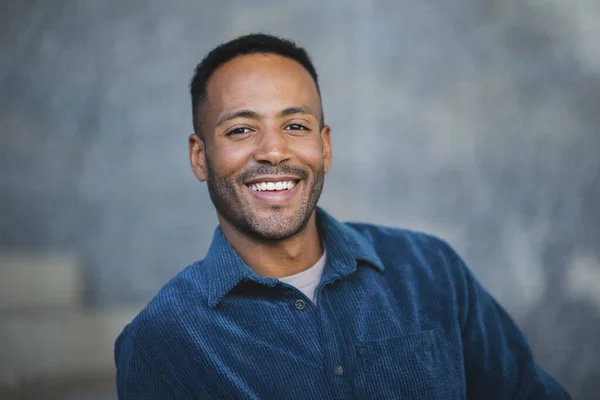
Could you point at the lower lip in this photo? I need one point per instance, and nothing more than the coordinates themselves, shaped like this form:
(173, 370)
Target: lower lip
(274, 196)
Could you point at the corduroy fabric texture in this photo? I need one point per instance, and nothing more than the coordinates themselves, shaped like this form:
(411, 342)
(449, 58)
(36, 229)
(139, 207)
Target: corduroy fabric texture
(398, 316)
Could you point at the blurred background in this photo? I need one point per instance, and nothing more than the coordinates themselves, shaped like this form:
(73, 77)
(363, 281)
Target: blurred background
(477, 121)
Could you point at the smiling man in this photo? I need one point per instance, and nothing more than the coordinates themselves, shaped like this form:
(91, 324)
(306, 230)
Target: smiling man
(289, 303)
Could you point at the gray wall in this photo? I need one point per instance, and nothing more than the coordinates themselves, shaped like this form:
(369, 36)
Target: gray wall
(474, 120)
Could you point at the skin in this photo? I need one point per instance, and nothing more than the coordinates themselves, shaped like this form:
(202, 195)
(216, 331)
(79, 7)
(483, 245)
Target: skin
(261, 120)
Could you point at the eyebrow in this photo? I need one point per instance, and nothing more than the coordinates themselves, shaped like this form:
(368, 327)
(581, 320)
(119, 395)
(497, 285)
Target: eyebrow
(298, 110)
(254, 115)
(237, 114)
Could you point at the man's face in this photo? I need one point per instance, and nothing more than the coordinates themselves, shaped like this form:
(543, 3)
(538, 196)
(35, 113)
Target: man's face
(264, 154)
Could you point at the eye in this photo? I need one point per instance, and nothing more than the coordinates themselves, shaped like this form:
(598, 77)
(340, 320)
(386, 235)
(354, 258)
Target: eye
(238, 131)
(296, 127)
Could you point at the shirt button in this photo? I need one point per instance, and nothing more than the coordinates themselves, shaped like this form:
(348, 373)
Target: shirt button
(300, 304)
(339, 371)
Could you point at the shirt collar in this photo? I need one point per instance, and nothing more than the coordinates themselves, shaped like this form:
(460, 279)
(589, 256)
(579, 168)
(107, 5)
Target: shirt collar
(223, 269)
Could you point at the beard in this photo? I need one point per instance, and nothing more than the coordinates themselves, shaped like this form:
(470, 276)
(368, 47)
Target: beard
(236, 209)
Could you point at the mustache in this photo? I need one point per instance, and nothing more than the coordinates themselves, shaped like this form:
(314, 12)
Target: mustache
(251, 173)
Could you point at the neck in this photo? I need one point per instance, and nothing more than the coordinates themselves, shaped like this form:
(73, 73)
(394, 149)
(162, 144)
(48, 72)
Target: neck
(280, 258)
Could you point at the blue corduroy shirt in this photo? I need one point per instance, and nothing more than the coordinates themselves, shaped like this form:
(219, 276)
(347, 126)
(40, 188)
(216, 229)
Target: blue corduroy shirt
(398, 316)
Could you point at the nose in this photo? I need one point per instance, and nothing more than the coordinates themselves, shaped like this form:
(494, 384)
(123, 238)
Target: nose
(273, 147)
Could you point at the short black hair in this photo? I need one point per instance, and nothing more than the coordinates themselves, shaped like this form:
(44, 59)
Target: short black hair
(247, 44)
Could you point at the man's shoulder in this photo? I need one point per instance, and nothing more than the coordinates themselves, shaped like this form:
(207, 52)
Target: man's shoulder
(399, 240)
(400, 248)
(155, 343)
(170, 307)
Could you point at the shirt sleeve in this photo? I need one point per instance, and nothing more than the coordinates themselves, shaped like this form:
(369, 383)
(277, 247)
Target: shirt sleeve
(498, 361)
(138, 378)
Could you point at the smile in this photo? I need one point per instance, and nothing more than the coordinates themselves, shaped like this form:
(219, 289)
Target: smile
(272, 186)
(274, 189)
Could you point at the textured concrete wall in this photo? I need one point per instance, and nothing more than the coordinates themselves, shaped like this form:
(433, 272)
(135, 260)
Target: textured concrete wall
(475, 120)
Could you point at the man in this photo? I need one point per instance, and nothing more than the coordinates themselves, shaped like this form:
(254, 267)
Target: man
(290, 303)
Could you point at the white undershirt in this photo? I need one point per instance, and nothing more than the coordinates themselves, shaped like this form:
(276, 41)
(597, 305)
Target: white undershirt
(307, 280)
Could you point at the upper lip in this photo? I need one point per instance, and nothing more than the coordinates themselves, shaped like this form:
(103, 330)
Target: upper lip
(272, 178)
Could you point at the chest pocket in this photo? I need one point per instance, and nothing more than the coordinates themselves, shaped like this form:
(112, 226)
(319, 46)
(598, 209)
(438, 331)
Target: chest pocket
(413, 366)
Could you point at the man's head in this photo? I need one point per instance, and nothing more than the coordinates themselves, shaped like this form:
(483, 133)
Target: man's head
(260, 142)
(257, 43)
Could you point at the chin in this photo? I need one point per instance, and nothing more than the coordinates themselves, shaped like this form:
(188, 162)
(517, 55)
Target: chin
(277, 227)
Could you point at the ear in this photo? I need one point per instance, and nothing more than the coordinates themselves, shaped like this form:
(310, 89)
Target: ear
(326, 143)
(198, 157)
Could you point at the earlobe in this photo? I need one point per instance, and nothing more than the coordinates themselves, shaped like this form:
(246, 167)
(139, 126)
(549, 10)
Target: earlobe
(198, 157)
(326, 142)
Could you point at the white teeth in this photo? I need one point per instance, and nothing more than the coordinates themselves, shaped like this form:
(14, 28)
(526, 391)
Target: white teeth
(285, 185)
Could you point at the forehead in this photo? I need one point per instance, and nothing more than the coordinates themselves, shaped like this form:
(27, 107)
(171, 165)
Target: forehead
(265, 83)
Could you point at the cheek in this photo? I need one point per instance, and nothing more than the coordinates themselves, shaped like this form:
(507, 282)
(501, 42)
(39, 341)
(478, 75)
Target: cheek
(230, 159)
(310, 153)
